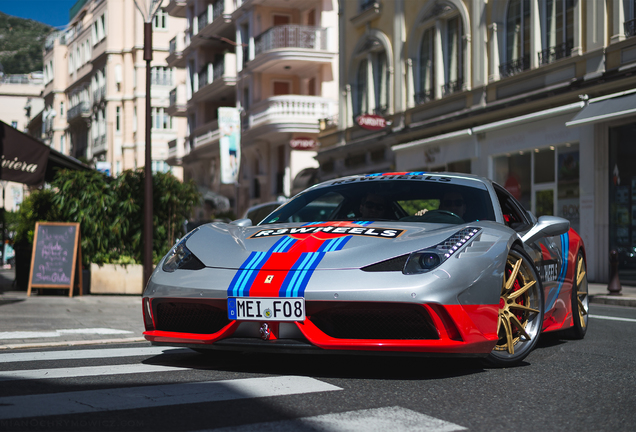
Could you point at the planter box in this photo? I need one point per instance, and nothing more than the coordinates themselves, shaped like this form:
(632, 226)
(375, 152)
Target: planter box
(117, 279)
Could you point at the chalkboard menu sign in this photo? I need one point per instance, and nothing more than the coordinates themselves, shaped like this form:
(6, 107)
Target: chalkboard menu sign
(56, 256)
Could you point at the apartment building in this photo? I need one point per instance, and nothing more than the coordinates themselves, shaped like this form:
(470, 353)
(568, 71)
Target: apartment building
(274, 60)
(538, 95)
(20, 101)
(95, 86)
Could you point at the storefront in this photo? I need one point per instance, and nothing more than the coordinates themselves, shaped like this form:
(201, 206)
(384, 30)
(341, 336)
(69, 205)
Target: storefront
(536, 157)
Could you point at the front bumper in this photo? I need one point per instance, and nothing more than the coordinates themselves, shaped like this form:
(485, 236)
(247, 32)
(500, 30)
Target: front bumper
(331, 327)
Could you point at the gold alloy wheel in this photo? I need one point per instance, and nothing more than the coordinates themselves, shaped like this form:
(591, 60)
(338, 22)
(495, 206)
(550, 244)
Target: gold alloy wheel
(514, 304)
(581, 294)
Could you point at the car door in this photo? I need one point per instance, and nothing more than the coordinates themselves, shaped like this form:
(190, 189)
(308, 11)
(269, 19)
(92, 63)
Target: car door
(545, 252)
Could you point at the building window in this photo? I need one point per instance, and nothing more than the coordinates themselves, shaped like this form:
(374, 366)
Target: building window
(161, 75)
(442, 36)
(61, 109)
(557, 36)
(630, 23)
(160, 22)
(517, 38)
(159, 166)
(622, 199)
(62, 144)
(372, 86)
(14, 124)
(160, 119)
(117, 119)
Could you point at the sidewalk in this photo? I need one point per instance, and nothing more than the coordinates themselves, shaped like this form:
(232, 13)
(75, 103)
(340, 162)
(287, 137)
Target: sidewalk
(51, 319)
(57, 320)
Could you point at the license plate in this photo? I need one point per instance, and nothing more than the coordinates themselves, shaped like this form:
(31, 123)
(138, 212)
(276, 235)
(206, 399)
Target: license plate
(266, 309)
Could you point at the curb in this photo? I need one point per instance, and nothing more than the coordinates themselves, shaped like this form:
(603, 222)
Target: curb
(613, 300)
(70, 343)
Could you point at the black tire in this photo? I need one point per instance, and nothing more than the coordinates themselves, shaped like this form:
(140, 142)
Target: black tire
(580, 301)
(520, 312)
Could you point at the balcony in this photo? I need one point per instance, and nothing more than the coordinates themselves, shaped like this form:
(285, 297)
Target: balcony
(177, 8)
(515, 66)
(555, 53)
(288, 114)
(216, 79)
(99, 145)
(99, 95)
(292, 47)
(453, 87)
(175, 56)
(81, 111)
(630, 28)
(176, 151)
(206, 135)
(214, 22)
(178, 101)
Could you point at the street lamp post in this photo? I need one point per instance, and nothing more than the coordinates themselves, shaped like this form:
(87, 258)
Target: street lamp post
(148, 9)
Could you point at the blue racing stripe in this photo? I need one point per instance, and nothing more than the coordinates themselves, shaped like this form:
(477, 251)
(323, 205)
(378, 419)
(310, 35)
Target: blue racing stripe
(565, 251)
(304, 274)
(244, 277)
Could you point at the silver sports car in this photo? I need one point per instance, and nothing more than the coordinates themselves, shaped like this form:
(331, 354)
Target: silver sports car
(427, 263)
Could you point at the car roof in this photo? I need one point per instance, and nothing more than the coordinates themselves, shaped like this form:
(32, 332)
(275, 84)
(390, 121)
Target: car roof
(466, 179)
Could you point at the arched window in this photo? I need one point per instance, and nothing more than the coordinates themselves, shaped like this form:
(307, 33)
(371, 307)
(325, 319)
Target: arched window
(441, 54)
(427, 68)
(517, 38)
(372, 79)
(557, 35)
(630, 19)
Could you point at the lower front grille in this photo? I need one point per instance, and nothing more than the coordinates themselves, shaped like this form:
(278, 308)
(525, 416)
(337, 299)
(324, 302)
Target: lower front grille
(185, 317)
(375, 321)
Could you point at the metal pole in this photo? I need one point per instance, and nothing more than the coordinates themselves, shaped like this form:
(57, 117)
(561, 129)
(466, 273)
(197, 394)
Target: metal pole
(148, 267)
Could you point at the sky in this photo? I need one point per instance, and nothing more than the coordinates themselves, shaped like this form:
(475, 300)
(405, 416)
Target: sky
(52, 12)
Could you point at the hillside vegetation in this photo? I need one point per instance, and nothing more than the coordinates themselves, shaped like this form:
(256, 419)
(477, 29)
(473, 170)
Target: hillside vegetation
(21, 44)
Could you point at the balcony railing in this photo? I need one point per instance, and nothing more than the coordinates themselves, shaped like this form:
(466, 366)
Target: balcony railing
(212, 71)
(555, 53)
(452, 87)
(205, 133)
(291, 36)
(202, 20)
(514, 67)
(291, 109)
(218, 9)
(424, 96)
(204, 75)
(99, 94)
(630, 28)
(81, 109)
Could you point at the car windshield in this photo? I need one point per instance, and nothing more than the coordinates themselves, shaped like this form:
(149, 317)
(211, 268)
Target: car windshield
(418, 199)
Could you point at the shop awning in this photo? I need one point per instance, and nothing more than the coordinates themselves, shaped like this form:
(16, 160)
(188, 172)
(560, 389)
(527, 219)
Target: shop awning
(605, 109)
(29, 161)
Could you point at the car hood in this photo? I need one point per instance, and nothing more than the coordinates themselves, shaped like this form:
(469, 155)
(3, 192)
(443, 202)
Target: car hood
(339, 245)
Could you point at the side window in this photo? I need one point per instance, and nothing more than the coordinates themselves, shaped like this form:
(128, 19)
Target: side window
(513, 213)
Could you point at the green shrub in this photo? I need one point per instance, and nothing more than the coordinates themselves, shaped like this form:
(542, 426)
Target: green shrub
(110, 212)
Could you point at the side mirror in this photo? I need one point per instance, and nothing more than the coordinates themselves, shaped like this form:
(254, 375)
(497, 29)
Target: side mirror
(546, 226)
(242, 222)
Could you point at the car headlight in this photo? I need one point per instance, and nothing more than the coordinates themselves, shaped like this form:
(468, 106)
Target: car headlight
(180, 257)
(425, 260)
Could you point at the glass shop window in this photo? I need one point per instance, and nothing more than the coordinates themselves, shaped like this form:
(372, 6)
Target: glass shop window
(512, 171)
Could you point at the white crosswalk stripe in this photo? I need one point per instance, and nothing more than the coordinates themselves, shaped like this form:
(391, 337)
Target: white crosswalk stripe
(20, 408)
(85, 371)
(88, 354)
(157, 396)
(371, 420)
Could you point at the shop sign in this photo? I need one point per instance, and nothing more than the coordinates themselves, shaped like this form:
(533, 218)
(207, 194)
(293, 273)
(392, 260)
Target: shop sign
(371, 122)
(303, 143)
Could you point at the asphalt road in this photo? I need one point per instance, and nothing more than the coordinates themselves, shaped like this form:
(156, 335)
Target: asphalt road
(564, 385)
